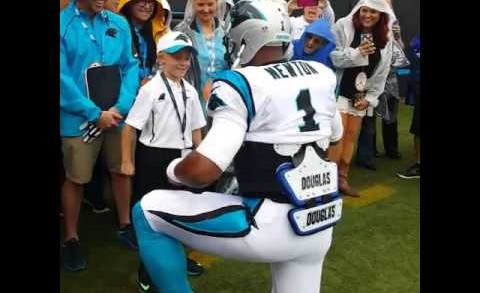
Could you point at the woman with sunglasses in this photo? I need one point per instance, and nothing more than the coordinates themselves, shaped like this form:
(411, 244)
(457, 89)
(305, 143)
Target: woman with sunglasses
(149, 20)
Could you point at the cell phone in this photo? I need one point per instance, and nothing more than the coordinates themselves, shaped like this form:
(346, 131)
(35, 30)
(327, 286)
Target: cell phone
(307, 3)
(366, 37)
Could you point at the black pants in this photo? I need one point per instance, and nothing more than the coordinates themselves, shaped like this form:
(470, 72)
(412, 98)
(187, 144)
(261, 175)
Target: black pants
(390, 128)
(150, 170)
(93, 191)
(415, 125)
(366, 141)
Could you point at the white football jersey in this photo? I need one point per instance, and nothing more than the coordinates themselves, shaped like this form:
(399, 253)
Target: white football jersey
(290, 102)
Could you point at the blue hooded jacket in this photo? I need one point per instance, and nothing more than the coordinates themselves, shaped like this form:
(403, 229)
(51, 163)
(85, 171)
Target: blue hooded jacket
(320, 28)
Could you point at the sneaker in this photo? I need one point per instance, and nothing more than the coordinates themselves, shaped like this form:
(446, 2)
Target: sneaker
(98, 207)
(72, 258)
(411, 173)
(194, 268)
(127, 236)
(144, 282)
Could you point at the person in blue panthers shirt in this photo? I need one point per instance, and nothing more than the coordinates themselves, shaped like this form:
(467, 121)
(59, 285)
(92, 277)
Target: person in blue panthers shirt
(91, 35)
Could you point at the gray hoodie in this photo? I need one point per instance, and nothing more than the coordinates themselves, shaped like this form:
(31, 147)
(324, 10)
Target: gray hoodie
(344, 56)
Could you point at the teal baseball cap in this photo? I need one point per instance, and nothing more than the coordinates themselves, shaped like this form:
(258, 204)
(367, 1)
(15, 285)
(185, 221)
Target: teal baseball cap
(173, 41)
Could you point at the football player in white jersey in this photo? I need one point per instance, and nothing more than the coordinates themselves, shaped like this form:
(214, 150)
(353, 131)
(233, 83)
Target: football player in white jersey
(268, 116)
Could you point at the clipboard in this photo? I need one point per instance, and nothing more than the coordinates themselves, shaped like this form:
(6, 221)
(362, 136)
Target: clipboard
(103, 84)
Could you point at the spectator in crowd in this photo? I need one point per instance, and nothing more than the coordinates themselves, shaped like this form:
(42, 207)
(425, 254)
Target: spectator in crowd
(248, 126)
(413, 54)
(203, 23)
(143, 16)
(323, 10)
(92, 36)
(93, 190)
(393, 93)
(168, 113)
(169, 125)
(392, 90)
(362, 58)
(387, 109)
(63, 4)
(316, 43)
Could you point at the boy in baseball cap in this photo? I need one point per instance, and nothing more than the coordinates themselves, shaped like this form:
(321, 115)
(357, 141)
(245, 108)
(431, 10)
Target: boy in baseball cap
(168, 113)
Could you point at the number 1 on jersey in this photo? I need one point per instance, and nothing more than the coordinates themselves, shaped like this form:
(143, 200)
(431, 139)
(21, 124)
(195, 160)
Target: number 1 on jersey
(304, 103)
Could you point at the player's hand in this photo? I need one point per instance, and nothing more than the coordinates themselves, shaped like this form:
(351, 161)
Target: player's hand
(361, 104)
(366, 48)
(127, 168)
(108, 119)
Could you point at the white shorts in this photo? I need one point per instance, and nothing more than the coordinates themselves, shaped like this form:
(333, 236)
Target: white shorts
(200, 221)
(344, 105)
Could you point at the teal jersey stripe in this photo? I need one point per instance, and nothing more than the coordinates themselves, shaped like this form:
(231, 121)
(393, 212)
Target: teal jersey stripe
(231, 222)
(237, 81)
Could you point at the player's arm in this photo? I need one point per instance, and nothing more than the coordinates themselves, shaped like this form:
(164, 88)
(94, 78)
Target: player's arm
(214, 154)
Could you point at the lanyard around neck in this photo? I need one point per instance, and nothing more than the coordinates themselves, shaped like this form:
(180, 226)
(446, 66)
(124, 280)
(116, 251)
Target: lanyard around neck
(143, 52)
(90, 34)
(183, 123)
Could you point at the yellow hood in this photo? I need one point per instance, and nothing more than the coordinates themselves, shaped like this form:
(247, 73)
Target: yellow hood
(161, 20)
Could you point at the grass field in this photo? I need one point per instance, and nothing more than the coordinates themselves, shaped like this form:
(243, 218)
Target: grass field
(375, 248)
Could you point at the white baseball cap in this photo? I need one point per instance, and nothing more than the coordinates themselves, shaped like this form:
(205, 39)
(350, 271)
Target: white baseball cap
(173, 41)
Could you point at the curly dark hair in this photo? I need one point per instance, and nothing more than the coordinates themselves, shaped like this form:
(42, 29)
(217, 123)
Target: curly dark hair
(379, 31)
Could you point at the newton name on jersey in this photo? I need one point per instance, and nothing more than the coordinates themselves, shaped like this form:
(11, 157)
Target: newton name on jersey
(290, 69)
(289, 102)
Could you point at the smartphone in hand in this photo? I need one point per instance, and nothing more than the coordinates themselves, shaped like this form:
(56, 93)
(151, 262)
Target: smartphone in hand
(366, 37)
